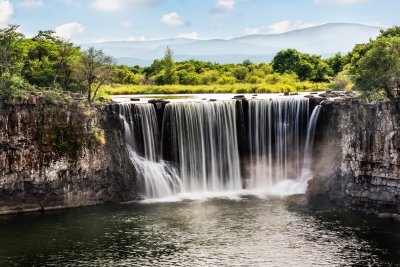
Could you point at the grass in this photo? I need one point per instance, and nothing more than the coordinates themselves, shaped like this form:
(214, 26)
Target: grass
(241, 88)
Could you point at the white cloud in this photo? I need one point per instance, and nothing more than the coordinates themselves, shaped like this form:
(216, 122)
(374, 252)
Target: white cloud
(279, 27)
(172, 19)
(223, 7)
(6, 11)
(127, 24)
(31, 3)
(340, 2)
(136, 38)
(190, 35)
(117, 5)
(70, 31)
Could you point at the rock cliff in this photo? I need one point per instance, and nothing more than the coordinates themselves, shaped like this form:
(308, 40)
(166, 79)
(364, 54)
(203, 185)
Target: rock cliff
(357, 155)
(59, 157)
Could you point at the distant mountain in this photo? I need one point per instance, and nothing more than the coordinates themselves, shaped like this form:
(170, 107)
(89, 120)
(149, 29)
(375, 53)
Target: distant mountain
(325, 40)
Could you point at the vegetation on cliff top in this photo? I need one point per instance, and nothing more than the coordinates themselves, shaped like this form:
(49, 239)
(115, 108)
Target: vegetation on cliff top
(55, 67)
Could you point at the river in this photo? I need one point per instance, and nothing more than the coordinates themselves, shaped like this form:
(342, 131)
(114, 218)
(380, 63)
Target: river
(232, 231)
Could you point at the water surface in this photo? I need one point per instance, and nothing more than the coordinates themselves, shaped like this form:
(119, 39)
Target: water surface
(246, 231)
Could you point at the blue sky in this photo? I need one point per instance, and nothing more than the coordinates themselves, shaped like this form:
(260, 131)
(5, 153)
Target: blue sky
(105, 20)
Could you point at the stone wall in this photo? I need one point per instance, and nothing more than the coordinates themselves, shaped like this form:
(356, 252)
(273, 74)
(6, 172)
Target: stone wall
(357, 155)
(59, 157)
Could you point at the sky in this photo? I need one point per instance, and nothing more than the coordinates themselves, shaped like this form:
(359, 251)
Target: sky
(87, 21)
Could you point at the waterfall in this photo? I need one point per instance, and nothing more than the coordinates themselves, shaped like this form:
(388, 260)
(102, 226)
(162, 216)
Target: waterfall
(204, 141)
(306, 171)
(197, 149)
(160, 179)
(276, 131)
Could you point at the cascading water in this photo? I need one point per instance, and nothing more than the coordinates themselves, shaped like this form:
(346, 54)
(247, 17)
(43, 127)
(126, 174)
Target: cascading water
(306, 170)
(204, 140)
(200, 142)
(276, 130)
(160, 179)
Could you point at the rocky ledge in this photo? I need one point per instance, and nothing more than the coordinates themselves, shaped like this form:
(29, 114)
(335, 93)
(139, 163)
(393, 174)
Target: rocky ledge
(357, 156)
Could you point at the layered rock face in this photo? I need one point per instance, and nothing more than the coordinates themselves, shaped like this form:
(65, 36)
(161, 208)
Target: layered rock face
(59, 157)
(357, 155)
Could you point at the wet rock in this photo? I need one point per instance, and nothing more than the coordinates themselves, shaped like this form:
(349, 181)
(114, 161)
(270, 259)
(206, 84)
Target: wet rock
(213, 100)
(134, 99)
(286, 94)
(385, 215)
(239, 97)
(158, 103)
(396, 217)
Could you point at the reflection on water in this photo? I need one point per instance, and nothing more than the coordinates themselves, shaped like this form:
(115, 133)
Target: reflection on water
(247, 231)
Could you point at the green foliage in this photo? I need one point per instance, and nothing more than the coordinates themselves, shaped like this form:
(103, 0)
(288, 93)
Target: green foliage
(390, 32)
(54, 96)
(379, 69)
(11, 87)
(95, 70)
(341, 82)
(306, 67)
(240, 73)
(11, 50)
(127, 75)
(337, 63)
(170, 76)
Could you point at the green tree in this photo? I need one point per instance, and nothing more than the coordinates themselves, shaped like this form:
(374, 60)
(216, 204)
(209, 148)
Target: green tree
(390, 32)
(240, 73)
(337, 63)
(379, 69)
(11, 50)
(170, 76)
(96, 69)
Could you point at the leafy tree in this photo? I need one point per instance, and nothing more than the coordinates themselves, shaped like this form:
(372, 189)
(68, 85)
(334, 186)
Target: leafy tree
(41, 60)
(247, 63)
(67, 61)
(240, 73)
(170, 76)
(379, 69)
(337, 63)
(11, 50)
(188, 78)
(390, 32)
(307, 67)
(96, 69)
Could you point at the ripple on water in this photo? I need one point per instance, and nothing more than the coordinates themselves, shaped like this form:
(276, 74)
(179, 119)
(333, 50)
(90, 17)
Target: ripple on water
(215, 232)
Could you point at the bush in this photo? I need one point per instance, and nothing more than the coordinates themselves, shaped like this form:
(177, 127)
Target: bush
(11, 87)
(341, 82)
